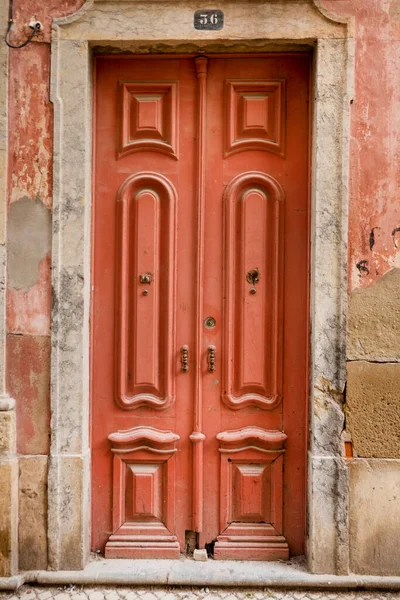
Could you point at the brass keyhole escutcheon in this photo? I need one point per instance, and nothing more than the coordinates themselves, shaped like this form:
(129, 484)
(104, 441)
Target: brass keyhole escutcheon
(253, 277)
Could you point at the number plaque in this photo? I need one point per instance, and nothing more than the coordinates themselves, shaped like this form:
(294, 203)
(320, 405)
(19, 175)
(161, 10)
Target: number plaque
(209, 19)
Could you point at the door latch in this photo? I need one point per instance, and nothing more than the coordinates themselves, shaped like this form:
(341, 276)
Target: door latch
(253, 277)
(211, 359)
(185, 358)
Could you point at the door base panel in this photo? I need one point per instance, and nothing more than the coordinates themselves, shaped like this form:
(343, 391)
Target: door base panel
(227, 548)
(118, 547)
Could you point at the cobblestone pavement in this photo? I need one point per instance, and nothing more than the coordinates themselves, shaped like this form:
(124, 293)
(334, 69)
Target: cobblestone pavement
(186, 593)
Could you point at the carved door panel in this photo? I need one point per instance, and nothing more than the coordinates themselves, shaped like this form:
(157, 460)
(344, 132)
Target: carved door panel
(199, 320)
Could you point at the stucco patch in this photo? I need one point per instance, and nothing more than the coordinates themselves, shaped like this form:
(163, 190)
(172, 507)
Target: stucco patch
(29, 240)
(374, 320)
(373, 409)
(32, 532)
(374, 517)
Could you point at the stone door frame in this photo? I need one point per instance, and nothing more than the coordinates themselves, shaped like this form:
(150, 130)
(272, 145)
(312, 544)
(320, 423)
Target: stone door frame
(159, 27)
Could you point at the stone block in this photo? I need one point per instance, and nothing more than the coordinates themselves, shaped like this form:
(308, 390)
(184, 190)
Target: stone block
(200, 554)
(28, 362)
(373, 409)
(8, 517)
(32, 531)
(374, 320)
(7, 432)
(374, 516)
(69, 482)
(328, 530)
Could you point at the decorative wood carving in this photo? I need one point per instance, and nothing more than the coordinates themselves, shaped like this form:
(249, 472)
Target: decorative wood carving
(237, 440)
(149, 117)
(252, 366)
(255, 118)
(145, 338)
(251, 495)
(143, 494)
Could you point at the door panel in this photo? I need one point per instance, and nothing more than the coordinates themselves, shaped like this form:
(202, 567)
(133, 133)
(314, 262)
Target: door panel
(199, 323)
(145, 306)
(253, 317)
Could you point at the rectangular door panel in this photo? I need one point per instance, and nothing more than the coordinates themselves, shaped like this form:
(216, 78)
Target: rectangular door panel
(145, 306)
(253, 296)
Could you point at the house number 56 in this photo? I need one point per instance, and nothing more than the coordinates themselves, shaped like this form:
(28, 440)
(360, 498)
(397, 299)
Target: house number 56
(204, 19)
(209, 19)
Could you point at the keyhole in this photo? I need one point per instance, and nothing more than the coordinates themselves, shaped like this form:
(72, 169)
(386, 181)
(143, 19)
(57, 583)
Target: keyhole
(253, 277)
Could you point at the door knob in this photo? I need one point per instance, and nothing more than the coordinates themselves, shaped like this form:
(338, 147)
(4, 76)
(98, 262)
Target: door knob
(211, 359)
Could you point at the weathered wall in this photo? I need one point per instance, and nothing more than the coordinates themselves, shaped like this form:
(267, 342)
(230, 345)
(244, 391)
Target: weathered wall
(372, 407)
(30, 167)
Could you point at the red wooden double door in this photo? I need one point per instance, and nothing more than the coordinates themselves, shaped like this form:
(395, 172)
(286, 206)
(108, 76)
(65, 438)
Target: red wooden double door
(199, 321)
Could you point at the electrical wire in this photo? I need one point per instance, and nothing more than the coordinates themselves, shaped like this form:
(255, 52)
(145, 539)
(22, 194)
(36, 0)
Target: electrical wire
(35, 28)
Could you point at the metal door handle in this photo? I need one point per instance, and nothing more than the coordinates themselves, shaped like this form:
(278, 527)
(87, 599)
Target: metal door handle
(185, 358)
(211, 359)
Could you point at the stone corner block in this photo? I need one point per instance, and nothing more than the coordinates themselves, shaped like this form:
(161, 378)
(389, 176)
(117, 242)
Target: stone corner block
(373, 409)
(327, 543)
(68, 512)
(8, 517)
(373, 324)
(32, 532)
(374, 517)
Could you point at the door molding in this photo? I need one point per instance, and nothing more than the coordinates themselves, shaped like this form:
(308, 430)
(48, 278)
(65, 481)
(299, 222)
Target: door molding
(168, 28)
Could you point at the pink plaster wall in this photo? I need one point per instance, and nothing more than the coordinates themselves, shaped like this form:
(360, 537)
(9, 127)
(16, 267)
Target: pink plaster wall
(30, 147)
(374, 210)
(30, 177)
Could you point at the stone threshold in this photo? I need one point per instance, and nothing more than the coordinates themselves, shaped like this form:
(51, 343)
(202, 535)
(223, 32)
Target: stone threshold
(187, 572)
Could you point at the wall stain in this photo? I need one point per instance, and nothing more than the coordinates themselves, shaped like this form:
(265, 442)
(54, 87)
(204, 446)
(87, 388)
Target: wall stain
(362, 266)
(372, 237)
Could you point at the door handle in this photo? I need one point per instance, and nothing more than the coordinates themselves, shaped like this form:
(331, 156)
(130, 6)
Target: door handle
(185, 358)
(211, 359)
